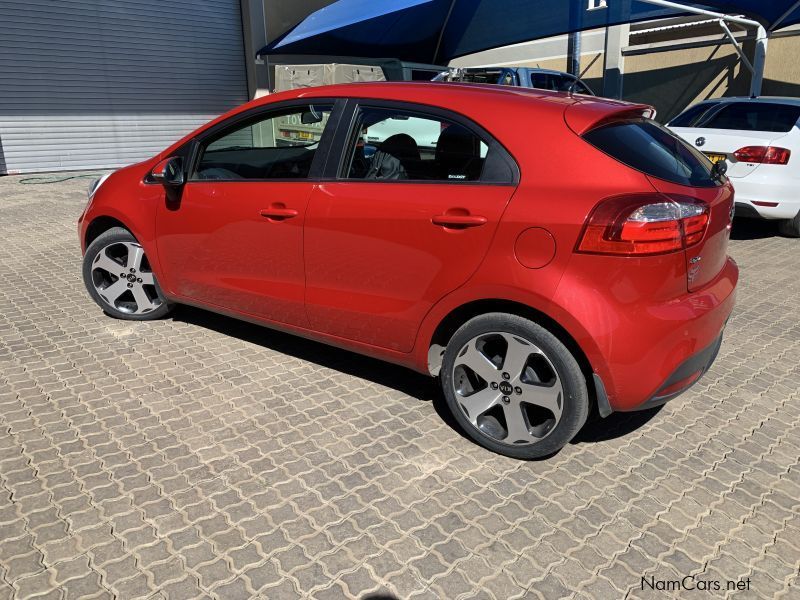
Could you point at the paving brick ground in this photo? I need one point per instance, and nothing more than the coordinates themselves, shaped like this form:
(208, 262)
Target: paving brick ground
(200, 457)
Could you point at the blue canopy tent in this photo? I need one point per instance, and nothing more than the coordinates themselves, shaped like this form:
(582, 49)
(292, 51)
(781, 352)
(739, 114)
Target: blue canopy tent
(436, 31)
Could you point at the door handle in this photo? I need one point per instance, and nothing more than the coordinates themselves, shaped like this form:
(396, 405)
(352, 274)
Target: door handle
(278, 213)
(458, 221)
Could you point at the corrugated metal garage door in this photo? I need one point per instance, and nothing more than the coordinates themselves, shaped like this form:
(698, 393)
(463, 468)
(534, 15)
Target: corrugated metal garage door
(92, 84)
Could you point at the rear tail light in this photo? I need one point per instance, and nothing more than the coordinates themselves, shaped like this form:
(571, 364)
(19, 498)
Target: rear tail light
(642, 224)
(768, 155)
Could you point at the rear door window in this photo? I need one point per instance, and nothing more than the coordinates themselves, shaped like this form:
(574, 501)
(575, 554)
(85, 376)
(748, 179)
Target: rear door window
(396, 145)
(652, 149)
(753, 116)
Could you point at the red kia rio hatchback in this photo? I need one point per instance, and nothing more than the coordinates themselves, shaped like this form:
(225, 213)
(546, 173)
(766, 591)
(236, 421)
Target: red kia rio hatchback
(540, 253)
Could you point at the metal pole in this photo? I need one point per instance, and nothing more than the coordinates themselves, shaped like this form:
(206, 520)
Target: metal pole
(761, 37)
(702, 11)
(736, 45)
(759, 60)
(614, 61)
(574, 53)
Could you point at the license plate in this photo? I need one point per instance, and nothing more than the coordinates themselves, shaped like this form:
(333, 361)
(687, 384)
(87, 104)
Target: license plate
(305, 135)
(715, 158)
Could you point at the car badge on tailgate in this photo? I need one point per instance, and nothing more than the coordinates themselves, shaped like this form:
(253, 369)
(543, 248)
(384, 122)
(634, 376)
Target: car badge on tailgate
(701, 141)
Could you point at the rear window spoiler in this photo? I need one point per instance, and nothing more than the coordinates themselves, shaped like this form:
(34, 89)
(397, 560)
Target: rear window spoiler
(583, 116)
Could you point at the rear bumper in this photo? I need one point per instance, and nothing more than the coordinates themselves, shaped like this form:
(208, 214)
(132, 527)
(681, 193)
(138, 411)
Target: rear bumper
(685, 376)
(754, 194)
(747, 211)
(648, 352)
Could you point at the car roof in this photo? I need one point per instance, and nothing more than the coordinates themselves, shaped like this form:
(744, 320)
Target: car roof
(479, 102)
(758, 99)
(546, 71)
(418, 91)
(529, 69)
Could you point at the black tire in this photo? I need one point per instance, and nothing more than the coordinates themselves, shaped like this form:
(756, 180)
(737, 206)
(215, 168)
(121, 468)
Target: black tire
(790, 227)
(574, 396)
(95, 279)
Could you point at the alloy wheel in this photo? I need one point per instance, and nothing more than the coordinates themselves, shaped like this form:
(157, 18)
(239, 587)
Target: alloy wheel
(122, 277)
(507, 388)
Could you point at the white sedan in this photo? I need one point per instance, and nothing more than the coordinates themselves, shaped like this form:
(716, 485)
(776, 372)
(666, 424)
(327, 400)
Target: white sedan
(759, 138)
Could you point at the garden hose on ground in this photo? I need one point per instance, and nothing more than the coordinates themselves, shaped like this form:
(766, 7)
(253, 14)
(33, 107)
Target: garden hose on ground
(47, 180)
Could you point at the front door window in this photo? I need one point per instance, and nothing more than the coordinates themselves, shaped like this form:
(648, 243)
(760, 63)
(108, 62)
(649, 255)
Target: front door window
(279, 146)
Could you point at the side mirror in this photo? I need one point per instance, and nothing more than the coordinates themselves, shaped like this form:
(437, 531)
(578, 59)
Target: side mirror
(169, 172)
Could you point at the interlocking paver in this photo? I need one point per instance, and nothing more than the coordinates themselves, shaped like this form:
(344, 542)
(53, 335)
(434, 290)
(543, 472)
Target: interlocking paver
(203, 457)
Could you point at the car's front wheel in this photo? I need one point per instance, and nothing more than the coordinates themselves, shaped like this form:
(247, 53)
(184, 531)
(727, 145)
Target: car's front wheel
(513, 386)
(119, 278)
(790, 227)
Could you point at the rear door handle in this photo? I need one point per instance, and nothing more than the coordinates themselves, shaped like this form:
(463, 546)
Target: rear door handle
(458, 221)
(278, 213)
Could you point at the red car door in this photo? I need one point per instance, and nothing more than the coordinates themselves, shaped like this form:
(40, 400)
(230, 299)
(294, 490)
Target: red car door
(234, 237)
(401, 228)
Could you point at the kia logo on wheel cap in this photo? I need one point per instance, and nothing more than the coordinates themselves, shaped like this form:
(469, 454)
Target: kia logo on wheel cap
(700, 141)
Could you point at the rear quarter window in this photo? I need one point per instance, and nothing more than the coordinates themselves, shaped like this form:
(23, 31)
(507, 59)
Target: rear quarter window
(648, 147)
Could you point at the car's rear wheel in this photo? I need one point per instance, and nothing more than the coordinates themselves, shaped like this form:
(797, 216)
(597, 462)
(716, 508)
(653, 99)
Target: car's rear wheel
(119, 278)
(790, 227)
(513, 386)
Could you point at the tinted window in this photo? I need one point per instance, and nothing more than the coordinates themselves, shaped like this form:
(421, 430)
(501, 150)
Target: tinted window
(646, 146)
(483, 76)
(753, 116)
(564, 83)
(393, 144)
(544, 81)
(423, 74)
(691, 115)
(279, 146)
(558, 83)
(580, 87)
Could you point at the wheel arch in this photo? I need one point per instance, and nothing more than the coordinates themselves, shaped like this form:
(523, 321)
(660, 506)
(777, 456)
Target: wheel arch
(99, 225)
(458, 316)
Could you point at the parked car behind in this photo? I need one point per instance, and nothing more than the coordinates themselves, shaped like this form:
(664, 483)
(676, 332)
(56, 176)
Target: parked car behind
(543, 79)
(536, 280)
(759, 139)
(426, 131)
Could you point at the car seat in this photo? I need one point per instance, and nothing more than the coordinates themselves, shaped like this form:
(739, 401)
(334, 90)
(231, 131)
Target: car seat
(395, 158)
